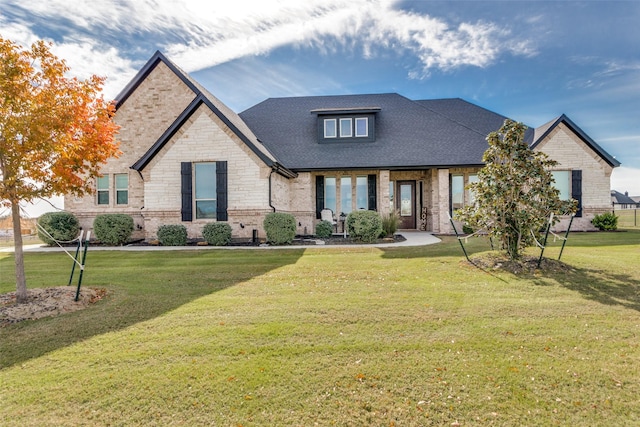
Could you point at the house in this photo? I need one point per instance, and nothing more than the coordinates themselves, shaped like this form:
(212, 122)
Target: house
(623, 201)
(189, 159)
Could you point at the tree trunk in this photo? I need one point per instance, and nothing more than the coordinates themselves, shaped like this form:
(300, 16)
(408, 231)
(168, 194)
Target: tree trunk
(21, 282)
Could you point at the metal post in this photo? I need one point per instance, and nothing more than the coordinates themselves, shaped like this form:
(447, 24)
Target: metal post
(75, 258)
(566, 236)
(84, 257)
(544, 245)
(458, 237)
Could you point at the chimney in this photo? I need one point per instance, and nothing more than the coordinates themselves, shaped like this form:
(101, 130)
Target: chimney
(626, 193)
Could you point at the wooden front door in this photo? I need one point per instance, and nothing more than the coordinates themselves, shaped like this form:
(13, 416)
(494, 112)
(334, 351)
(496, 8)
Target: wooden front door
(406, 204)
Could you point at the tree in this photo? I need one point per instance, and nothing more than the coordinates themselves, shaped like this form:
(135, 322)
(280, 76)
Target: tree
(55, 132)
(514, 194)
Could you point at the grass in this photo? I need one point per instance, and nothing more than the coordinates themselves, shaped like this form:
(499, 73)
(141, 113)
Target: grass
(331, 336)
(628, 218)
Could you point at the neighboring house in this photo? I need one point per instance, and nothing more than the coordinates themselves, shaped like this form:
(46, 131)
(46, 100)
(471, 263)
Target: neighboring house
(623, 201)
(188, 159)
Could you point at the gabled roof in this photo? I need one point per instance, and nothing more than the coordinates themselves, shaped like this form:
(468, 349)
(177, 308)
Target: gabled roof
(408, 134)
(621, 199)
(201, 97)
(544, 130)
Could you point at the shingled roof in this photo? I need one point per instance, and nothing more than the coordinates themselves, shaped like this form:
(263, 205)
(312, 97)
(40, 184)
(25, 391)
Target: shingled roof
(408, 134)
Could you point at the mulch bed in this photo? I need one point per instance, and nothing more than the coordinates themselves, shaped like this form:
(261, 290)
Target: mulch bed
(46, 302)
(525, 265)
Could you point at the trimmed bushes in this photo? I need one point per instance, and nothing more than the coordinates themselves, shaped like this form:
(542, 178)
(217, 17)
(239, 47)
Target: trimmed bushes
(280, 228)
(113, 229)
(324, 229)
(62, 226)
(605, 222)
(365, 226)
(217, 233)
(172, 235)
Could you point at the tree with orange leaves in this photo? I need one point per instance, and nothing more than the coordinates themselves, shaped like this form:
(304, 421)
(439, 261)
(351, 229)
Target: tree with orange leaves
(55, 132)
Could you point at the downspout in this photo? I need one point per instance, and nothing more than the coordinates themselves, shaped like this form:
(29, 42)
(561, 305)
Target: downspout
(270, 201)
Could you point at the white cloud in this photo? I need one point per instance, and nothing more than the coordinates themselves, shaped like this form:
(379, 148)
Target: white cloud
(202, 34)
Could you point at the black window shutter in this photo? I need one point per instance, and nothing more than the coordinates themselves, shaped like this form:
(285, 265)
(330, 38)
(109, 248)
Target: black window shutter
(371, 188)
(576, 189)
(319, 195)
(221, 191)
(186, 191)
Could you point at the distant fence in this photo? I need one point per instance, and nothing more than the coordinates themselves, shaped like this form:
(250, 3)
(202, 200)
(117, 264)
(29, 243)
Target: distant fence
(628, 218)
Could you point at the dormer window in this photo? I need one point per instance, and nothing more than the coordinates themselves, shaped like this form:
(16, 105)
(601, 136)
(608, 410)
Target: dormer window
(346, 125)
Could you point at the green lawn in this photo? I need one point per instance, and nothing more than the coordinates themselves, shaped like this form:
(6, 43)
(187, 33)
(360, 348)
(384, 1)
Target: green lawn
(331, 336)
(628, 218)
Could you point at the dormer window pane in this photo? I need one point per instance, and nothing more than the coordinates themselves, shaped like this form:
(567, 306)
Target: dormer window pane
(330, 130)
(345, 128)
(362, 127)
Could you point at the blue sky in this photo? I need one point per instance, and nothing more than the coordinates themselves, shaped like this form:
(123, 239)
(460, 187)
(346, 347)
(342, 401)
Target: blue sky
(529, 60)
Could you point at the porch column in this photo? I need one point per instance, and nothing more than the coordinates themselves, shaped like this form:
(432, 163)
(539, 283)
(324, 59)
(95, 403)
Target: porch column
(383, 193)
(441, 202)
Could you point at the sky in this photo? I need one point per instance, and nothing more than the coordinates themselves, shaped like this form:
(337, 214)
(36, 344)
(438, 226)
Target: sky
(528, 60)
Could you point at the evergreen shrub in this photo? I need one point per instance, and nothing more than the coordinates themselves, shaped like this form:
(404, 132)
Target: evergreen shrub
(217, 233)
(172, 235)
(113, 229)
(605, 222)
(365, 226)
(61, 226)
(324, 229)
(280, 228)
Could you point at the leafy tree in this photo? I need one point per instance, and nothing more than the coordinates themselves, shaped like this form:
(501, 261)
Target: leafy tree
(514, 194)
(55, 132)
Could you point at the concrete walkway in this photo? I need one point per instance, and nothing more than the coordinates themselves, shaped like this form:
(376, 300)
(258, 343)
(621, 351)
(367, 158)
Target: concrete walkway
(413, 238)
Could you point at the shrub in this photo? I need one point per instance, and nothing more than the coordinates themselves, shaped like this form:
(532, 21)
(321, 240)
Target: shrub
(364, 226)
(217, 233)
(61, 226)
(280, 228)
(605, 222)
(390, 223)
(113, 229)
(172, 235)
(324, 229)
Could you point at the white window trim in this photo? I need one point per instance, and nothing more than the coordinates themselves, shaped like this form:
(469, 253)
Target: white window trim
(366, 127)
(335, 126)
(342, 133)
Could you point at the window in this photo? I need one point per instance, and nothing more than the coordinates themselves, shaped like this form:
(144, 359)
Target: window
(122, 188)
(330, 194)
(205, 190)
(345, 194)
(562, 181)
(472, 195)
(330, 128)
(102, 185)
(457, 192)
(362, 193)
(362, 127)
(345, 128)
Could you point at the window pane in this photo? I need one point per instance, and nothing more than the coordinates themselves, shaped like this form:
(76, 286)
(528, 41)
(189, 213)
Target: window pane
(562, 183)
(345, 194)
(345, 128)
(330, 128)
(122, 181)
(457, 191)
(122, 197)
(206, 209)
(362, 196)
(406, 204)
(103, 182)
(103, 197)
(362, 126)
(472, 195)
(205, 180)
(330, 194)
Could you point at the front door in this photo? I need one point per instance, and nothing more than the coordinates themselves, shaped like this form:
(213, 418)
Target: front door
(406, 204)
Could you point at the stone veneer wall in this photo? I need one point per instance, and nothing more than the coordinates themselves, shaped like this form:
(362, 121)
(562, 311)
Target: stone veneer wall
(143, 117)
(572, 153)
